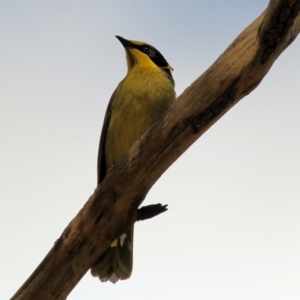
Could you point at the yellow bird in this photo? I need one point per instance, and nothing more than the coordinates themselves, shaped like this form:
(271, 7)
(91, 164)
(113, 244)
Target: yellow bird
(145, 93)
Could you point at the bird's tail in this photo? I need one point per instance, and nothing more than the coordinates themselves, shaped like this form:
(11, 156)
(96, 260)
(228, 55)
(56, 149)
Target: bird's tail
(116, 262)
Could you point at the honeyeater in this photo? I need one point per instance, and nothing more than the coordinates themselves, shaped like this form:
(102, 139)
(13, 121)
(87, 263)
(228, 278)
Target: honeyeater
(139, 100)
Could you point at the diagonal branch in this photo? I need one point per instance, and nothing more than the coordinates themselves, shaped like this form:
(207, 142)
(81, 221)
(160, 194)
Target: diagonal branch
(113, 206)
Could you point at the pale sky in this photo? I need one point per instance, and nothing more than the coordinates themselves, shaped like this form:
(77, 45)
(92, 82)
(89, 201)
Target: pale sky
(232, 228)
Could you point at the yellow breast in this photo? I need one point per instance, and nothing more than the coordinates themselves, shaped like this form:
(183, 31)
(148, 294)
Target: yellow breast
(140, 99)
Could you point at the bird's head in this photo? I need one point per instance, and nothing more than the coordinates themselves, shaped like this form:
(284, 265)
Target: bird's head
(144, 54)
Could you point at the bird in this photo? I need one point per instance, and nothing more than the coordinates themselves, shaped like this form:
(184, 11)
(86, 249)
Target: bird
(139, 100)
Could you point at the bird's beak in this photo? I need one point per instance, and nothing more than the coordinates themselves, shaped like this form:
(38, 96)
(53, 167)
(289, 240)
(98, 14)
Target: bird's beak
(124, 42)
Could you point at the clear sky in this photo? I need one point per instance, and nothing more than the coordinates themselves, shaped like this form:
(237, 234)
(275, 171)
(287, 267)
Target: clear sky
(232, 229)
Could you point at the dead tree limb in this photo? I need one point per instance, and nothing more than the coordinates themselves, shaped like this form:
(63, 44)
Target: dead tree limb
(113, 206)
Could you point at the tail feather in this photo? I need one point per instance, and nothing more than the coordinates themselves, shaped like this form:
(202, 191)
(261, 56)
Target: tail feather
(116, 262)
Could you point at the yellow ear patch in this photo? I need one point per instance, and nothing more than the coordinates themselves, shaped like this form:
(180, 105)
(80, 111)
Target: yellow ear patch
(169, 67)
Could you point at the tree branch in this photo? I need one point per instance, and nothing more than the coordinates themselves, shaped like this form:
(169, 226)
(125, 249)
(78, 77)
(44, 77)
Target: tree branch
(113, 206)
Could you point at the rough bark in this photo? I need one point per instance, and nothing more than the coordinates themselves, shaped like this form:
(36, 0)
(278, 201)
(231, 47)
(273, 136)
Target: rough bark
(113, 206)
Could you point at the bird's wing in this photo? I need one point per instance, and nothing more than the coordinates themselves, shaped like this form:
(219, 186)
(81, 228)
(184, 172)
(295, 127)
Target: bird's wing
(101, 166)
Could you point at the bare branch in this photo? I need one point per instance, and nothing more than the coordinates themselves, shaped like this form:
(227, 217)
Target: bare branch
(113, 206)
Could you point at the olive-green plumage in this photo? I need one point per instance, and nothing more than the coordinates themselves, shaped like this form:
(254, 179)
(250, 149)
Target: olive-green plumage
(139, 100)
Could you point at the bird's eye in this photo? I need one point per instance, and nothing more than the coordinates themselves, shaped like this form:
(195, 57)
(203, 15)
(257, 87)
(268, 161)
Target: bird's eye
(146, 49)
